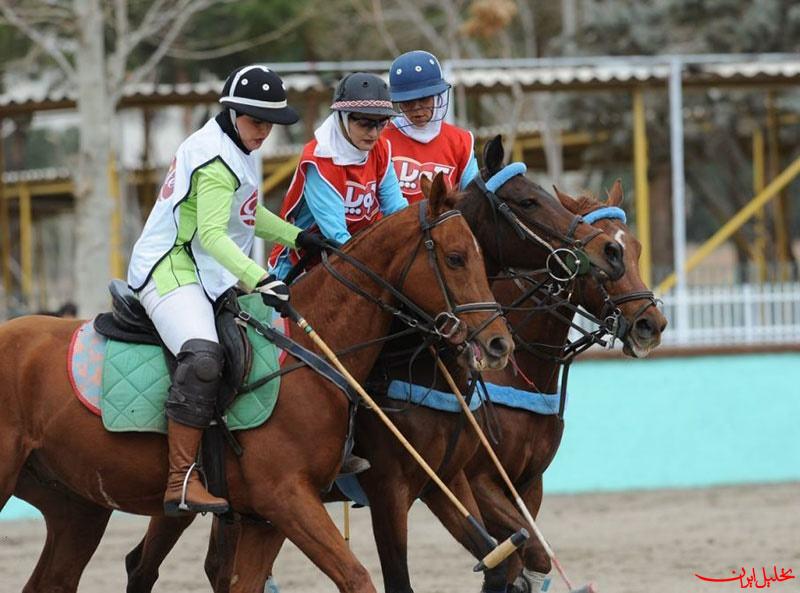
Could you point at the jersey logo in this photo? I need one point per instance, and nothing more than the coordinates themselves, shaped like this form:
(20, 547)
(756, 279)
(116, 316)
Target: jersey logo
(360, 201)
(410, 171)
(169, 182)
(248, 210)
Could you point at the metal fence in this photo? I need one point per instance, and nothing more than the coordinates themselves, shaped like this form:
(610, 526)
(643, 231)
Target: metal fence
(741, 314)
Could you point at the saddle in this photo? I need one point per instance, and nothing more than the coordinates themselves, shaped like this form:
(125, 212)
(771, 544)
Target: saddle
(129, 322)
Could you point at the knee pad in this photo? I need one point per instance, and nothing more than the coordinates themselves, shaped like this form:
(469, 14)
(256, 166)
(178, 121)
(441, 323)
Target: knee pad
(195, 383)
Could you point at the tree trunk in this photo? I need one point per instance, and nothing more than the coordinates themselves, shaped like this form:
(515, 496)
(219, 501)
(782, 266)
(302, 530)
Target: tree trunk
(93, 203)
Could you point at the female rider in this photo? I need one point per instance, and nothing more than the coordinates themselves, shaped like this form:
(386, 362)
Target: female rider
(194, 247)
(344, 181)
(422, 142)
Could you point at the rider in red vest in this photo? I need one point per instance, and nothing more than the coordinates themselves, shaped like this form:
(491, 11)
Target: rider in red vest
(344, 181)
(422, 142)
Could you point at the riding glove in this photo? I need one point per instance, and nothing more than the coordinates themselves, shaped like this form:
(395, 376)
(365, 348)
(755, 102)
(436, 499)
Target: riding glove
(313, 241)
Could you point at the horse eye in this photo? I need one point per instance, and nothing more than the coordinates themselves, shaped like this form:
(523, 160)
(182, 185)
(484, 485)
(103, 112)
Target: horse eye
(529, 203)
(455, 260)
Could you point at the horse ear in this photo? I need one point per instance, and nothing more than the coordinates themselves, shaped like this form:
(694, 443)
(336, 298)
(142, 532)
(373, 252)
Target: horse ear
(425, 184)
(493, 155)
(566, 200)
(616, 195)
(437, 196)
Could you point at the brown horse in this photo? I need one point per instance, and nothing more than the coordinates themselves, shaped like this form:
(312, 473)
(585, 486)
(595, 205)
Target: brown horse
(429, 430)
(395, 481)
(48, 437)
(529, 441)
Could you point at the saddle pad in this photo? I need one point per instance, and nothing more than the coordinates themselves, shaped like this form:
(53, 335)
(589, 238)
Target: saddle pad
(131, 389)
(85, 365)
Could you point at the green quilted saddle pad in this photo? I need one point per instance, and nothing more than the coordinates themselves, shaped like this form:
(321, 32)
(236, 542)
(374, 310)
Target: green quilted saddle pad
(136, 381)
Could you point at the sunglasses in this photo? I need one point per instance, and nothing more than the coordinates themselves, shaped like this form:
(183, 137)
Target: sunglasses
(369, 123)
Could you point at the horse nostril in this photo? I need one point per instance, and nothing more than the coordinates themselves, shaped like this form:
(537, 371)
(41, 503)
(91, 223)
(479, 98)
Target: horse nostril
(645, 328)
(498, 347)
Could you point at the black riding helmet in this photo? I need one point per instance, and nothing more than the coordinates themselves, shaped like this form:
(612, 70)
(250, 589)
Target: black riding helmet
(362, 92)
(257, 91)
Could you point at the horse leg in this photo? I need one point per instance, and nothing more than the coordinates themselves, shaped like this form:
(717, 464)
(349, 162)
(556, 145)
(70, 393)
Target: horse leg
(221, 552)
(297, 511)
(452, 520)
(389, 513)
(257, 545)
(535, 561)
(74, 530)
(503, 519)
(143, 561)
(14, 453)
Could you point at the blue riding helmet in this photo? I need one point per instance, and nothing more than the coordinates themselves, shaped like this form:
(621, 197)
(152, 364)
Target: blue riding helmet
(416, 75)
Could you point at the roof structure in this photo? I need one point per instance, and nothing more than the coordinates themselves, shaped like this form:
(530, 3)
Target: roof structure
(547, 74)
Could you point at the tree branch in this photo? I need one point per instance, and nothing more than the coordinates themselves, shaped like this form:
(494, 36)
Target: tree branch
(232, 48)
(186, 10)
(46, 43)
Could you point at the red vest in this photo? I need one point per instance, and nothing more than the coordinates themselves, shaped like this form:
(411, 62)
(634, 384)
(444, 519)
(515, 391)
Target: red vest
(449, 153)
(357, 185)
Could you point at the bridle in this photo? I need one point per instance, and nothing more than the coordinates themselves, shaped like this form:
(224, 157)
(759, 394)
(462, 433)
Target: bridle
(446, 324)
(572, 249)
(615, 322)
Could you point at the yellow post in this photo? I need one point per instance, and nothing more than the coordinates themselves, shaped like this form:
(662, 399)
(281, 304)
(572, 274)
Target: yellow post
(760, 247)
(279, 174)
(347, 522)
(773, 146)
(735, 223)
(26, 241)
(642, 187)
(116, 218)
(516, 151)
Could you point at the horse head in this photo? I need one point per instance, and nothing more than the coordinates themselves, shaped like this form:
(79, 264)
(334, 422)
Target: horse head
(504, 197)
(628, 295)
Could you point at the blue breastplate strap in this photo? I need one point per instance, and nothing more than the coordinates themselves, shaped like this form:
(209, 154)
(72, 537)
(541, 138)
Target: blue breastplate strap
(606, 212)
(430, 398)
(504, 174)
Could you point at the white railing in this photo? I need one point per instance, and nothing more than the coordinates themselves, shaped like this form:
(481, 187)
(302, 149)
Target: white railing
(742, 314)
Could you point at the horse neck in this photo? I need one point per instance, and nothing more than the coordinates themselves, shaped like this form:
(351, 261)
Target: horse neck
(340, 316)
(540, 328)
(477, 213)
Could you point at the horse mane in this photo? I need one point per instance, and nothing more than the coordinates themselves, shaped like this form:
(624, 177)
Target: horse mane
(585, 203)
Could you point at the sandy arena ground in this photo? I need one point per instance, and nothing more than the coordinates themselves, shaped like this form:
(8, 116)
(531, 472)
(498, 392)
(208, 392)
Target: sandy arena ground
(650, 542)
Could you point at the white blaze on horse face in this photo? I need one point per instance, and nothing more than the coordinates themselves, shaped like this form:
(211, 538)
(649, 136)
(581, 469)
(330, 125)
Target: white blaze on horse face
(477, 246)
(618, 237)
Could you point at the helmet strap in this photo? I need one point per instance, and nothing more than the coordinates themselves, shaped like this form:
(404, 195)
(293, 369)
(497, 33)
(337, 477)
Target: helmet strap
(344, 126)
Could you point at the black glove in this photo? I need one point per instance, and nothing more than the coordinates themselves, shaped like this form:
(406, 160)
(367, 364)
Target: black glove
(313, 241)
(273, 291)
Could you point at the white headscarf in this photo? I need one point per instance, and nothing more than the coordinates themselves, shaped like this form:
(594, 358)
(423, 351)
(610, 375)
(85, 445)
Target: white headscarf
(430, 130)
(333, 144)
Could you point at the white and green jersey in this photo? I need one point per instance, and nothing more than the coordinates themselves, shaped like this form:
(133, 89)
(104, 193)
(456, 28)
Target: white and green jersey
(184, 241)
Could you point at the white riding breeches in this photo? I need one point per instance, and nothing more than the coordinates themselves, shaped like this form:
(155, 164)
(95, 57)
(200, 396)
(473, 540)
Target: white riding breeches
(184, 313)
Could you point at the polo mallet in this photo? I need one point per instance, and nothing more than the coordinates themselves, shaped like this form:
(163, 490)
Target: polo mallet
(589, 587)
(499, 552)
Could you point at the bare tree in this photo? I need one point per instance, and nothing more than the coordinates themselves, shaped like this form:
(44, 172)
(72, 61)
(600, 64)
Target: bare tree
(73, 34)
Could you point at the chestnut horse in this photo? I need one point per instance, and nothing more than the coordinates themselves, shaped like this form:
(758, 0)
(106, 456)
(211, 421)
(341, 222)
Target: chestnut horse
(428, 429)
(48, 436)
(529, 441)
(395, 481)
